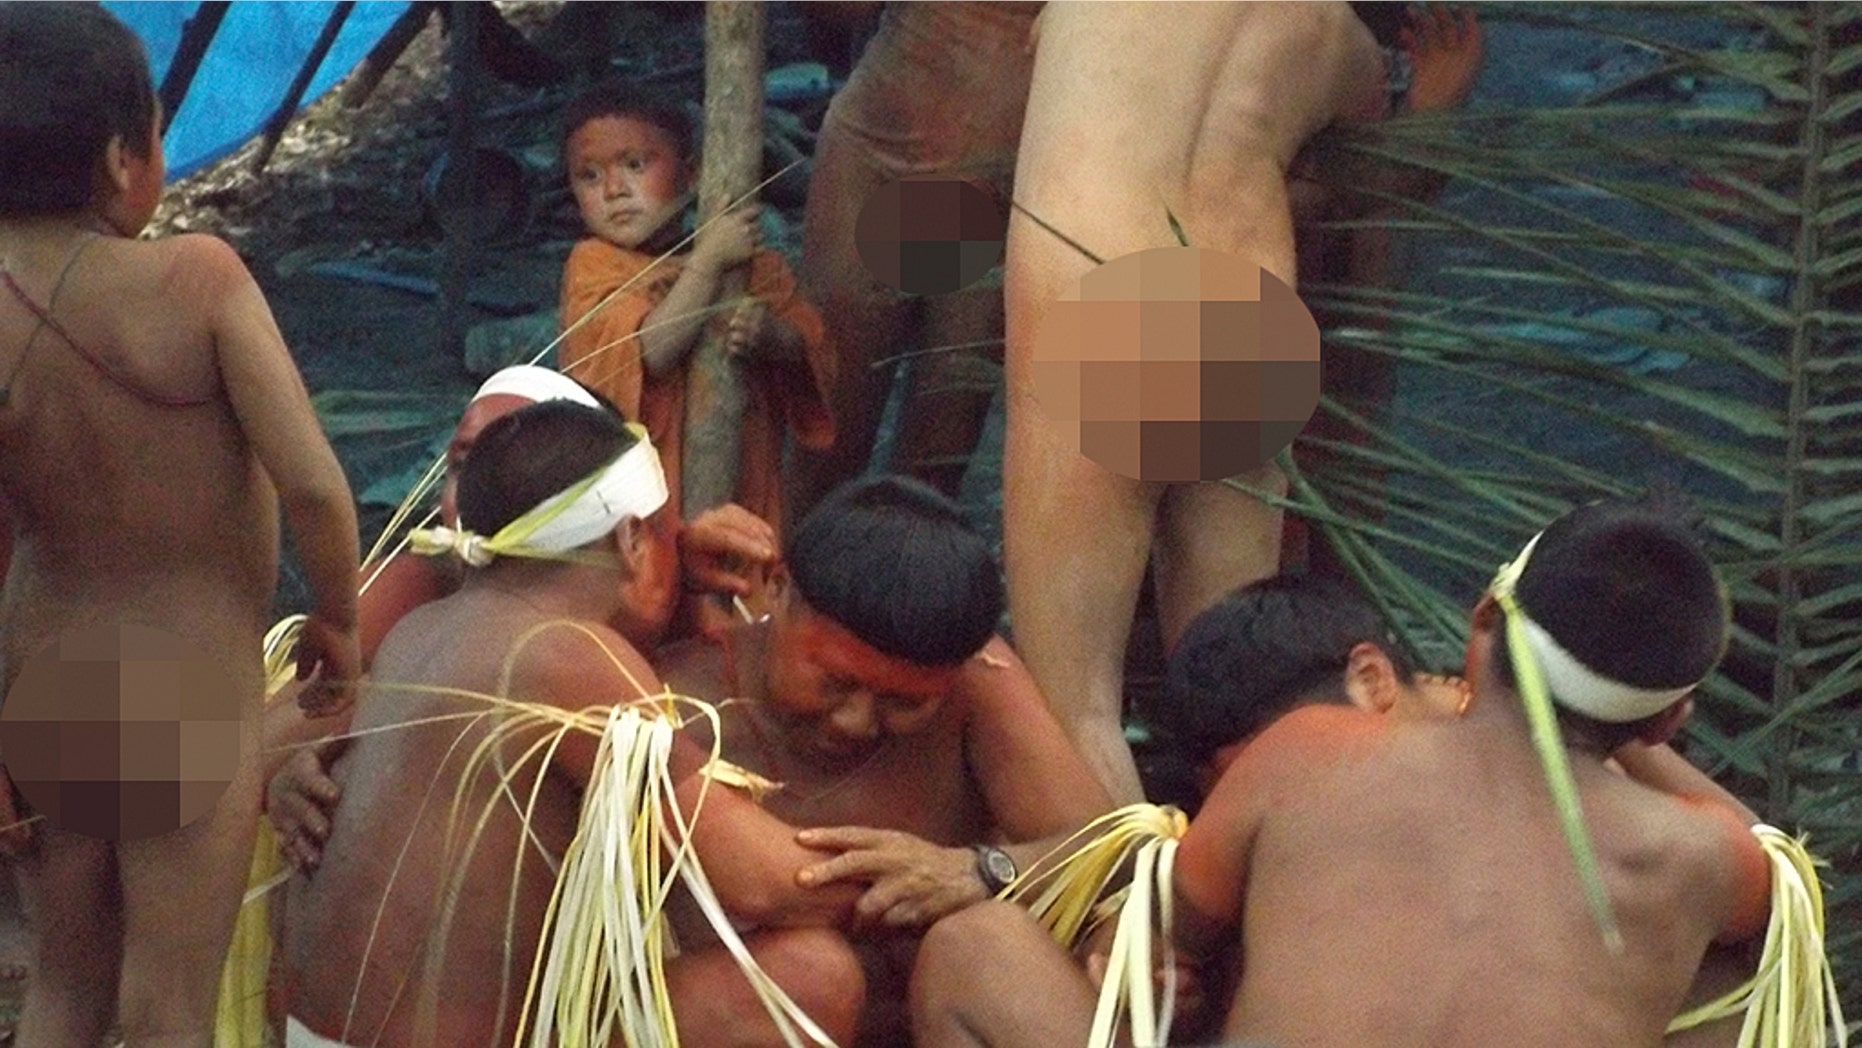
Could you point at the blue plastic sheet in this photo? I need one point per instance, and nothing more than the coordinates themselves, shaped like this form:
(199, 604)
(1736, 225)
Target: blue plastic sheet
(247, 70)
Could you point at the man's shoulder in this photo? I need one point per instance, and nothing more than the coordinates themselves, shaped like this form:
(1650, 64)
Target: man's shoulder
(697, 665)
(1323, 727)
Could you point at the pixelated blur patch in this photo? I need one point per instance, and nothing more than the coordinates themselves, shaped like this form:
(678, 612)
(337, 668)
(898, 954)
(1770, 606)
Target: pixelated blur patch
(1178, 364)
(121, 732)
(930, 236)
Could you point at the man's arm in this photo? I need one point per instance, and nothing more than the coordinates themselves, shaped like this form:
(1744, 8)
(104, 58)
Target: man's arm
(1039, 788)
(750, 856)
(1212, 863)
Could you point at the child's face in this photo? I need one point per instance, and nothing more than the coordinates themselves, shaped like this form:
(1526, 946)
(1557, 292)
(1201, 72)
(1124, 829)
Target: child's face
(628, 178)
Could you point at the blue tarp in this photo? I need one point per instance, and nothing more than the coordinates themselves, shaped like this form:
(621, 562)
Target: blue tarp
(256, 54)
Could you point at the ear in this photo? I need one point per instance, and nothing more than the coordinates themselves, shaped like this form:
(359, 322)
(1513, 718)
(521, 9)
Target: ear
(1484, 624)
(1666, 723)
(1486, 614)
(116, 166)
(1370, 678)
(631, 541)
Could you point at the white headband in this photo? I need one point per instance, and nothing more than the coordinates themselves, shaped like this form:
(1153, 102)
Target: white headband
(633, 485)
(537, 385)
(1575, 685)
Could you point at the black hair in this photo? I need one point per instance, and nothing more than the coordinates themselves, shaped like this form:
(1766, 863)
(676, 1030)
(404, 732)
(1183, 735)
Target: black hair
(1624, 586)
(531, 454)
(1260, 651)
(620, 98)
(73, 78)
(895, 563)
(1385, 20)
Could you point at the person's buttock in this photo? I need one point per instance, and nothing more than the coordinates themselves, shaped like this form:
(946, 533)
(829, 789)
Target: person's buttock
(123, 730)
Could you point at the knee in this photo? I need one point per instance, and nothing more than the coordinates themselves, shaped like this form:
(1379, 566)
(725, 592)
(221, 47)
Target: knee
(821, 973)
(960, 949)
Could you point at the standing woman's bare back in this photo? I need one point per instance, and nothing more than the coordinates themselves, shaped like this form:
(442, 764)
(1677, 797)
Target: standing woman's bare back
(134, 493)
(147, 392)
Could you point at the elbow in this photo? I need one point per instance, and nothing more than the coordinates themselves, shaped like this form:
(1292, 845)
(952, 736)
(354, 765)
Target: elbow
(326, 498)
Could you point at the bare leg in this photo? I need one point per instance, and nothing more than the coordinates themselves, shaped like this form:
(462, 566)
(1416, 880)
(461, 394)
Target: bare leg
(716, 1007)
(181, 894)
(939, 88)
(1075, 541)
(989, 975)
(948, 402)
(1211, 539)
(866, 320)
(68, 891)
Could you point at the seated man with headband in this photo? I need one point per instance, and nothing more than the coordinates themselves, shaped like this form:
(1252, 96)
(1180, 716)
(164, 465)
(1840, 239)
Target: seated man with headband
(406, 937)
(723, 550)
(1406, 880)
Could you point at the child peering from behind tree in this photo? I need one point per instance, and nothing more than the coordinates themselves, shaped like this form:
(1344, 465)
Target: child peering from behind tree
(634, 311)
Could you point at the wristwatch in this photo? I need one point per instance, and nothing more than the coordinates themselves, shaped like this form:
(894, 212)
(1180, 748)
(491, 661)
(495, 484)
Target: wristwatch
(994, 867)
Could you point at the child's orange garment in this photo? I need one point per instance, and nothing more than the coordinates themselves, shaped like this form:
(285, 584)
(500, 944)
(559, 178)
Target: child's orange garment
(604, 355)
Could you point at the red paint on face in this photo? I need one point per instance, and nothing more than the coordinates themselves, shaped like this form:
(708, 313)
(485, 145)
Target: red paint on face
(627, 176)
(838, 698)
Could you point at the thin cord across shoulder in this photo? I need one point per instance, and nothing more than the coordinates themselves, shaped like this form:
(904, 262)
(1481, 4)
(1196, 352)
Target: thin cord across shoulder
(45, 319)
(42, 318)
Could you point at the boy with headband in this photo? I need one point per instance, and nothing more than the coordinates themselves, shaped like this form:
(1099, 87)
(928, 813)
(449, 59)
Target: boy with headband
(552, 509)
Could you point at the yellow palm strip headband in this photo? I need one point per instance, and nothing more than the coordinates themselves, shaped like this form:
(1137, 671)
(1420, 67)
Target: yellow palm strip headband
(633, 485)
(1546, 740)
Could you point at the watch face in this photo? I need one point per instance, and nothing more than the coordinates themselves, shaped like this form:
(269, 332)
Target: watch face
(1001, 867)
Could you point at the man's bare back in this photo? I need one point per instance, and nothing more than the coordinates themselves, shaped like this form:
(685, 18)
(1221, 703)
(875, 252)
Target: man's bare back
(1430, 919)
(387, 855)
(1207, 133)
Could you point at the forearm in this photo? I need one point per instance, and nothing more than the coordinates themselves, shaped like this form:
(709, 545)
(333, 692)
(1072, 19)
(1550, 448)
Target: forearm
(751, 860)
(669, 332)
(323, 529)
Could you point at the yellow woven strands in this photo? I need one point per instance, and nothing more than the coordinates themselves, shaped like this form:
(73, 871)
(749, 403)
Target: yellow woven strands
(1791, 1002)
(602, 969)
(1065, 895)
(239, 1015)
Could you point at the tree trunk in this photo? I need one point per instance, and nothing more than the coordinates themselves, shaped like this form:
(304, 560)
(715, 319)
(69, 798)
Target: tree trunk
(715, 393)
